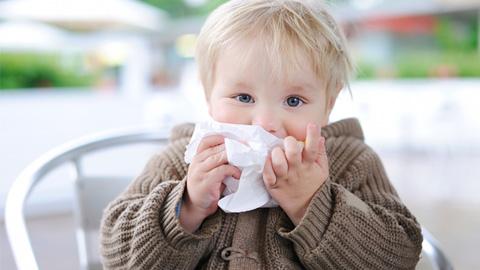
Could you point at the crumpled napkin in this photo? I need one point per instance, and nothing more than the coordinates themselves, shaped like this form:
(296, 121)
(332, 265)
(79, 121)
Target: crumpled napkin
(247, 147)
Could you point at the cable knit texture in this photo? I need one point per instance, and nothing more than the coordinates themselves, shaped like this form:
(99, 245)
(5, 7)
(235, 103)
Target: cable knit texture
(355, 220)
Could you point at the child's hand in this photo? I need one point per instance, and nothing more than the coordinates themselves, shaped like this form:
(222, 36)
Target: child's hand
(204, 182)
(292, 176)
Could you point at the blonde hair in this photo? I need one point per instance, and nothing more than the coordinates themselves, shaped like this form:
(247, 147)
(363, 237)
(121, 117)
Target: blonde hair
(286, 27)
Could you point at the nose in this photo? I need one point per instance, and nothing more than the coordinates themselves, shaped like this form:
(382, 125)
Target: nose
(268, 120)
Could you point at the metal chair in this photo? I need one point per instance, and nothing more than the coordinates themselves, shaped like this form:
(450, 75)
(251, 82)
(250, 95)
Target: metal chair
(93, 194)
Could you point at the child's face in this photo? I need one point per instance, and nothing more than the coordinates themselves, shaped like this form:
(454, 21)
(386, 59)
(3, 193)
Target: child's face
(245, 92)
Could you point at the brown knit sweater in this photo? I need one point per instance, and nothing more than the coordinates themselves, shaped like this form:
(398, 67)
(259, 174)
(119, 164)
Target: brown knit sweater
(355, 221)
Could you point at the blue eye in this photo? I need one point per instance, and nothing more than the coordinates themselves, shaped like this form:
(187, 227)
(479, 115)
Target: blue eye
(294, 101)
(244, 98)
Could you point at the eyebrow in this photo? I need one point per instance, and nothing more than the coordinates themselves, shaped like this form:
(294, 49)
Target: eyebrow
(301, 87)
(298, 87)
(241, 85)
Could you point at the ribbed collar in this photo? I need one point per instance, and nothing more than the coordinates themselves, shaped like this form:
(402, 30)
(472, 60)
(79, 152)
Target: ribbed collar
(349, 127)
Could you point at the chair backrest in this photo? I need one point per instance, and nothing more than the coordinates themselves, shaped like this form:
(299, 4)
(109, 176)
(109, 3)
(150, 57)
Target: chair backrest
(432, 256)
(93, 193)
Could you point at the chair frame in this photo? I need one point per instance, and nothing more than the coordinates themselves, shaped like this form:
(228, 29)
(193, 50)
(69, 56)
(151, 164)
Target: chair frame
(32, 175)
(73, 152)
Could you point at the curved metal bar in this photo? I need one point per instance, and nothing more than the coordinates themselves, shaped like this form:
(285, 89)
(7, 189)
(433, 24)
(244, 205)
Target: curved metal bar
(431, 247)
(31, 176)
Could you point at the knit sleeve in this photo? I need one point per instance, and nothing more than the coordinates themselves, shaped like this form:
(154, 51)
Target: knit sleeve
(357, 223)
(140, 228)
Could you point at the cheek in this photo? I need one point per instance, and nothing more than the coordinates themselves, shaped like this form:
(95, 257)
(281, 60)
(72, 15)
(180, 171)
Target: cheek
(227, 114)
(297, 129)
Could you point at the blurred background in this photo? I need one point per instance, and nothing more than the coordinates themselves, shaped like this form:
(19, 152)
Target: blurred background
(71, 68)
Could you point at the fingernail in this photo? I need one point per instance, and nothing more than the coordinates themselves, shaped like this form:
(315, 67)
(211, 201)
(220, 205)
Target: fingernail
(301, 145)
(320, 140)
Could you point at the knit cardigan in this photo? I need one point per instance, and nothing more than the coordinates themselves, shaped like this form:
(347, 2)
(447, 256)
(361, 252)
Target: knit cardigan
(354, 221)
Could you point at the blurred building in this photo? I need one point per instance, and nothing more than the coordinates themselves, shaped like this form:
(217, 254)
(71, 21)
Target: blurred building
(410, 39)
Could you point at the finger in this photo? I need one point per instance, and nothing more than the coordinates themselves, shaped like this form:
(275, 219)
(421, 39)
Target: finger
(279, 163)
(293, 151)
(322, 157)
(210, 141)
(311, 150)
(222, 188)
(201, 156)
(214, 161)
(268, 175)
(218, 174)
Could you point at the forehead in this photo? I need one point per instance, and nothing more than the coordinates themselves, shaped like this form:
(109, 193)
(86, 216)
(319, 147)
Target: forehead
(248, 59)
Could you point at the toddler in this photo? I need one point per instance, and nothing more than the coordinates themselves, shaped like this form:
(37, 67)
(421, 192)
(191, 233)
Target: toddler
(277, 64)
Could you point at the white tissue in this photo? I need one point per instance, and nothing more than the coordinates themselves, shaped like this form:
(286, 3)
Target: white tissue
(247, 147)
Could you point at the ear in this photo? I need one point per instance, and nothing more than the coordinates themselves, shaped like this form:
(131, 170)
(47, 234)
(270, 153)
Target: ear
(332, 99)
(207, 102)
(331, 104)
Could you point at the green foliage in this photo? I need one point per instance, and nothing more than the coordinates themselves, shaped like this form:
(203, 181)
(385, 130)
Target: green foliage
(179, 8)
(453, 36)
(431, 65)
(364, 70)
(447, 64)
(29, 70)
